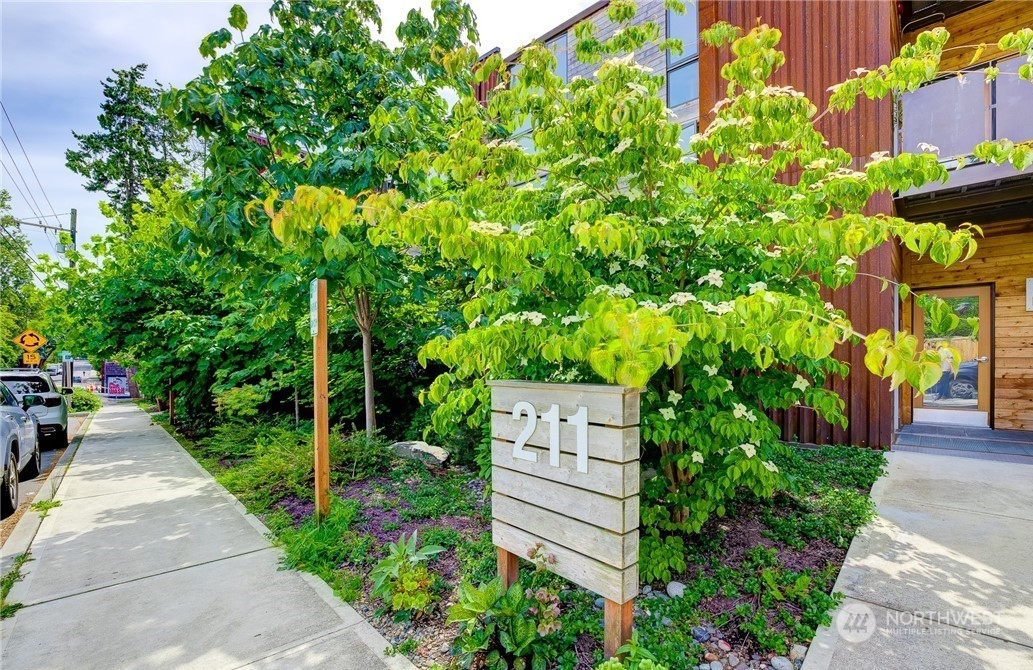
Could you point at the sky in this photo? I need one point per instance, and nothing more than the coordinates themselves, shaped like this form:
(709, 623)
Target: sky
(54, 55)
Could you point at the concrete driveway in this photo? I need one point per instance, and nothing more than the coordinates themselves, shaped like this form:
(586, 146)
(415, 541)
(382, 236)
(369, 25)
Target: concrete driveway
(944, 576)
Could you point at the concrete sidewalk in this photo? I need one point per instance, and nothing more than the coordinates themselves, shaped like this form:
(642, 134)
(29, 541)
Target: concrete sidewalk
(148, 563)
(944, 576)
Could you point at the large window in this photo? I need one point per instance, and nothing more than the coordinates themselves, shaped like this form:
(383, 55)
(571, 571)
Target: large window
(683, 68)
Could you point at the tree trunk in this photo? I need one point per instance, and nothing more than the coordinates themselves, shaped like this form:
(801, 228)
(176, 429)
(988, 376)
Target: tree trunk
(364, 318)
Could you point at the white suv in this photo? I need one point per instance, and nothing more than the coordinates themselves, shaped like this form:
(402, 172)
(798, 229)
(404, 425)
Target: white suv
(53, 424)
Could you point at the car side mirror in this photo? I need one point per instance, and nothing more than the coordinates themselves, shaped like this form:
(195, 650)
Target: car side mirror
(32, 401)
(67, 390)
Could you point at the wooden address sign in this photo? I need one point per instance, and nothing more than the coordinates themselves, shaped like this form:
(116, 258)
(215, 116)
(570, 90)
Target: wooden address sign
(565, 473)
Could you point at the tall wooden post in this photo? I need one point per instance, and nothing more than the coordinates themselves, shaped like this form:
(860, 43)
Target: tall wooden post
(172, 407)
(320, 376)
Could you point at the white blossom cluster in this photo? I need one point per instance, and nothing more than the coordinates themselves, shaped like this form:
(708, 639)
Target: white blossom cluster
(618, 291)
(488, 228)
(534, 318)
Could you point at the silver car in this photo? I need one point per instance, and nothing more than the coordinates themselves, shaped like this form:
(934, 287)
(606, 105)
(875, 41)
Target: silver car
(53, 423)
(20, 441)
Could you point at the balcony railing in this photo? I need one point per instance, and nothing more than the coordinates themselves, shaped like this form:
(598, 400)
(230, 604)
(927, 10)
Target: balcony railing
(957, 113)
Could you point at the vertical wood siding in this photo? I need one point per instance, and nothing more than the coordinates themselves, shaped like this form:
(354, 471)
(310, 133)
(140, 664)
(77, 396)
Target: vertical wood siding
(823, 43)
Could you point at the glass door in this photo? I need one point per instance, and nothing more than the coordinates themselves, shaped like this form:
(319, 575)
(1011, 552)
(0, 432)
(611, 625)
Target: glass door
(962, 397)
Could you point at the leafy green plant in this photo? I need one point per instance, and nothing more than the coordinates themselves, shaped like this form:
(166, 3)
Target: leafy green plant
(632, 656)
(323, 547)
(7, 609)
(401, 579)
(240, 403)
(82, 400)
(44, 507)
(361, 455)
(493, 622)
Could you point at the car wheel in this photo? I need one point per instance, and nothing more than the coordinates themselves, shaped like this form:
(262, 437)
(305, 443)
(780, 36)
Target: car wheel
(32, 469)
(60, 439)
(9, 488)
(962, 389)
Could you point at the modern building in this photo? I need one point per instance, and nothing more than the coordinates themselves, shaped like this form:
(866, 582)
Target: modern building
(990, 402)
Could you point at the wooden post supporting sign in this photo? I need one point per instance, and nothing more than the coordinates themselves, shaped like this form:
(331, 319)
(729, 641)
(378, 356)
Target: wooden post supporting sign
(321, 394)
(565, 475)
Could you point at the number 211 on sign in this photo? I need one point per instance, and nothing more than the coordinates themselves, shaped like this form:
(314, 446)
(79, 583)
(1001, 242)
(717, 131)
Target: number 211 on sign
(578, 419)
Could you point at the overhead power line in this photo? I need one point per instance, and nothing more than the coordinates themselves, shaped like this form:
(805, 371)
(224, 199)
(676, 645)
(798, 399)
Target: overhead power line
(28, 259)
(18, 188)
(31, 201)
(24, 153)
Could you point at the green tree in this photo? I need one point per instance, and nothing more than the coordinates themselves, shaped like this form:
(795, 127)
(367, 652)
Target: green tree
(312, 99)
(135, 144)
(610, 254)
(19, 296)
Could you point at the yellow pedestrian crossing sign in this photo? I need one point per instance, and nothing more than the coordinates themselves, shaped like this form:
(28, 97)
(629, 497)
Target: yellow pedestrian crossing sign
(30, 341)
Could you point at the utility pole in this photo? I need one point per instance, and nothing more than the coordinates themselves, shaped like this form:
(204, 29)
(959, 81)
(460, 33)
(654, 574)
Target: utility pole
(74, 217)
(70, 230)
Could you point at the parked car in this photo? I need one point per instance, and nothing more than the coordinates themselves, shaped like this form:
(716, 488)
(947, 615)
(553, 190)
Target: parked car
(19, 437)
(53, 424)
(966, 382)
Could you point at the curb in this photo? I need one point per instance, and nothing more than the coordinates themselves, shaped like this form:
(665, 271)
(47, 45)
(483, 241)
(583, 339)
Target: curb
(20, 539)
(823, 646)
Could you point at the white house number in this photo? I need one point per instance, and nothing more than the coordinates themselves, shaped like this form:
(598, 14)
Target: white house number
(578, 419)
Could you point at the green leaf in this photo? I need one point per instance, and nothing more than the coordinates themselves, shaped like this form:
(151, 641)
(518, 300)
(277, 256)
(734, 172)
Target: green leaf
(238, 17)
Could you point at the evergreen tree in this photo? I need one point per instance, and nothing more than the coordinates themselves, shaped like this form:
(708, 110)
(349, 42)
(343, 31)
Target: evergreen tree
(136, 143)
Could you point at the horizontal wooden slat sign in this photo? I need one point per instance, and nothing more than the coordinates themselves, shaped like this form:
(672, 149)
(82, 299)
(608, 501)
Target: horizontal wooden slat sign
(565, 473)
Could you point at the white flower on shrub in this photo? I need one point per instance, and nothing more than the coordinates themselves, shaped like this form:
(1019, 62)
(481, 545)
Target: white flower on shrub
(777, 217)
(638, 262)
(488, 228)
(573, 318)
(929, 148)
(748, 449)
(618, 291)
(681, 298)
(757, 286)
(771, 467)
(846, 260)
(801, 383)
(673, 397)
(730, 386)
(615, 267)
(714, 278)
(697, 457)
(711, 370)
(667, 413)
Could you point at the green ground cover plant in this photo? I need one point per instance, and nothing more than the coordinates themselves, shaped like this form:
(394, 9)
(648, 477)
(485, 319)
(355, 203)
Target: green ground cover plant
(7, 609)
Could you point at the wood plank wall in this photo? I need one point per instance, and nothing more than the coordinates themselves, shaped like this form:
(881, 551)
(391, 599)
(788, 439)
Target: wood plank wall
(1005, 260)
(823, 43)
(985, 24)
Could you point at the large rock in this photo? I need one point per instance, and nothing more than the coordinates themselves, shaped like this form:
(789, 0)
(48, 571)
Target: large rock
(421, 451)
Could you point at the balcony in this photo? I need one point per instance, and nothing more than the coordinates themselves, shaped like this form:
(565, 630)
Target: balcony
(957, 113)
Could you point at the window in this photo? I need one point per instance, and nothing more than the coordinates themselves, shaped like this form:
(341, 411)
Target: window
(24, 385)
(558, 47)
(683, 68)
(6, 398)
(687, 131)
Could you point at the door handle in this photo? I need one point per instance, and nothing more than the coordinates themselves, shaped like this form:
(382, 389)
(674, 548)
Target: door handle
(982, 359)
